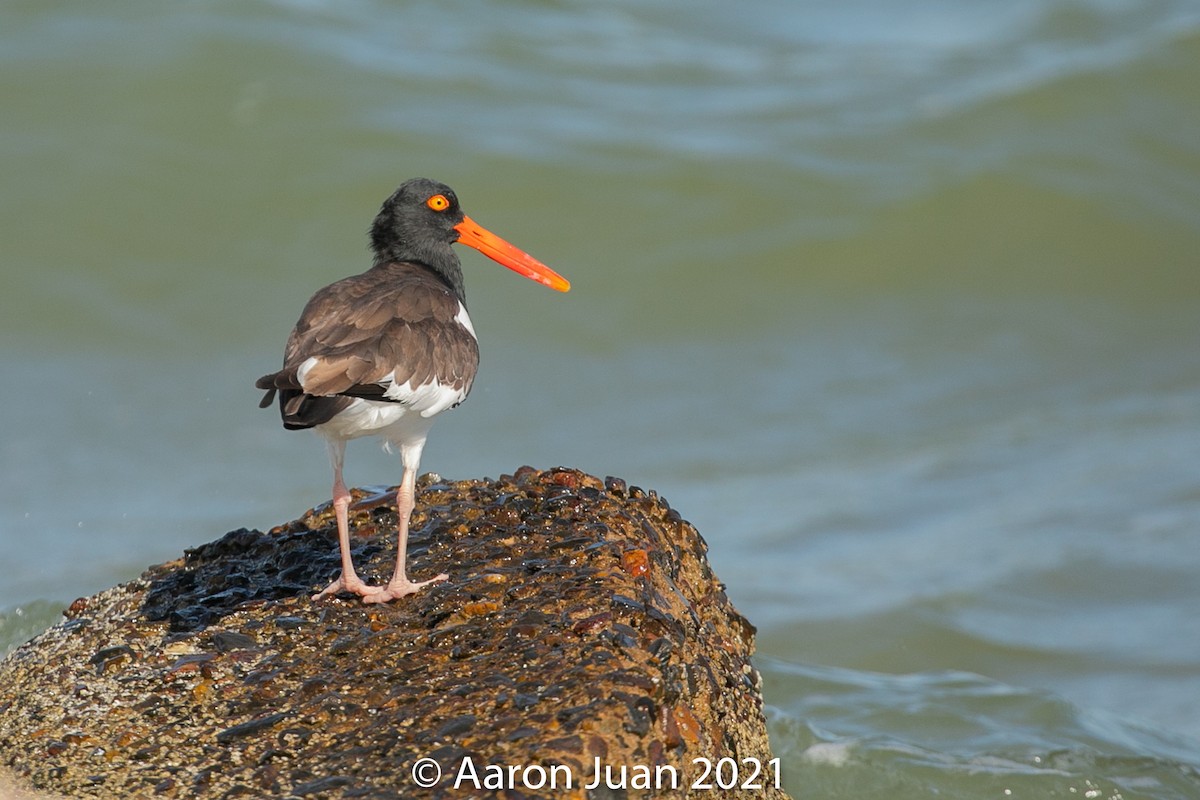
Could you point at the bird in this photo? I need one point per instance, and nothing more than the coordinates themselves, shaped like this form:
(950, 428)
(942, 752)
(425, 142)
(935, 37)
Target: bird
(384, 352)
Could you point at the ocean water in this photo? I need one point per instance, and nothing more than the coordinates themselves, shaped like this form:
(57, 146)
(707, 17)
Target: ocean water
(899, 303)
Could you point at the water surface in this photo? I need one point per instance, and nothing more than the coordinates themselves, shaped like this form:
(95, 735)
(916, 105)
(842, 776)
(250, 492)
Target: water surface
(898, 303)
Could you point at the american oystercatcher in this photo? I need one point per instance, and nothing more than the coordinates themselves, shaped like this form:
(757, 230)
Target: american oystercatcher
(384, 352)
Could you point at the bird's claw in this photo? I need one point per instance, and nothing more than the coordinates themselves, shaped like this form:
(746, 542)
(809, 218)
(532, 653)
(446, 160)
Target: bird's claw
(353, 585)
(400, 588)
(394, 590)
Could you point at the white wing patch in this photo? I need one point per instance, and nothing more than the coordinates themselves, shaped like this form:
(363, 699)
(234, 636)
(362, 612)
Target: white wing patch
(462, 318)
(428, 398)
(303, 370)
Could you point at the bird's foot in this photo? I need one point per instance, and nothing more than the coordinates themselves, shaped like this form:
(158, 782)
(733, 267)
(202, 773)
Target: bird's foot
(399, 587)
(353, 585)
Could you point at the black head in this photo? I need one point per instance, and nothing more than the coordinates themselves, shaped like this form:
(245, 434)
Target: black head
(417, 224)
(422, 219)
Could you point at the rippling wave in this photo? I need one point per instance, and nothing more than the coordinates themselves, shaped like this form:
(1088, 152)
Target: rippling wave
(898, 302)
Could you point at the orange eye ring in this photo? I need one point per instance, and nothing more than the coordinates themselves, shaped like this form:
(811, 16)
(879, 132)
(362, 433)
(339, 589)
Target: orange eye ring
(438, 202)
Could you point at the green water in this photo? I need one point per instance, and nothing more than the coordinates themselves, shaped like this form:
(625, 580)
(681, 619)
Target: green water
(899, 303)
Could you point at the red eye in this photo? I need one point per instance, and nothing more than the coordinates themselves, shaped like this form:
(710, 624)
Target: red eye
(438, 202)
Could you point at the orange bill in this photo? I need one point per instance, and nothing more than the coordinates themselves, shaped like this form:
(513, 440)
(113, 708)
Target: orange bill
(472, 234)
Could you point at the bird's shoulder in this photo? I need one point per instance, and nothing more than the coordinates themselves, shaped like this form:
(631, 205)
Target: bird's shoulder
(384, 294)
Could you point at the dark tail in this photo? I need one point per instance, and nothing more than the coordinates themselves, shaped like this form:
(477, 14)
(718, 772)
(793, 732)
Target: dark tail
(297, 409)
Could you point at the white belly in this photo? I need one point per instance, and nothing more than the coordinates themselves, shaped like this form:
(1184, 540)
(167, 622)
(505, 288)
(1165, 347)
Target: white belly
(397, 424)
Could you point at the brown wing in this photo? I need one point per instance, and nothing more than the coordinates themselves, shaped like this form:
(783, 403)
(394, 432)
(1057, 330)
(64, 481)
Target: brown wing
(395, 324)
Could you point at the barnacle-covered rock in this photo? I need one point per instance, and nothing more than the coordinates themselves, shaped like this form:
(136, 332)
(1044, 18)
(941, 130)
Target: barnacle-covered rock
(582, 647)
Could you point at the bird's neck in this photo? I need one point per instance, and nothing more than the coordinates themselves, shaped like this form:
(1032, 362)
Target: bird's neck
(447, 270)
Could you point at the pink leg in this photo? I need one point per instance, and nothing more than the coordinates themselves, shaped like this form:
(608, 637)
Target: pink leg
(400, 585)
(348, 581)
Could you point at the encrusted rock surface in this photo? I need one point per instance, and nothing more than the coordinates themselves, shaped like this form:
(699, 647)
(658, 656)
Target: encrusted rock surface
(581, 621)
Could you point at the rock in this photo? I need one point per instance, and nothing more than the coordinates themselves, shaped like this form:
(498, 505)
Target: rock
(581, 627)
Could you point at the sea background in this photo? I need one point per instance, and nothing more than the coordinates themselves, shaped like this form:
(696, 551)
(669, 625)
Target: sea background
(898, 302)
